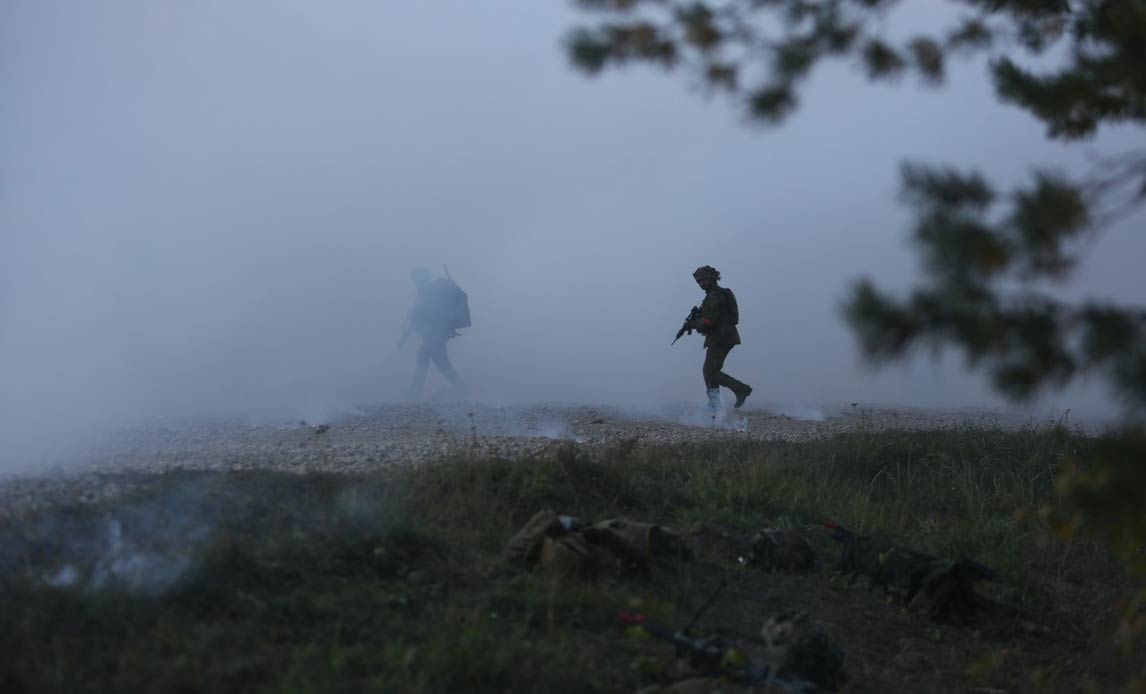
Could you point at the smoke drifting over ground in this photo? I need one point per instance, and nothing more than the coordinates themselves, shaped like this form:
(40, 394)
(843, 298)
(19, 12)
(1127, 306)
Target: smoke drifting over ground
(210, 209)
(145, 546)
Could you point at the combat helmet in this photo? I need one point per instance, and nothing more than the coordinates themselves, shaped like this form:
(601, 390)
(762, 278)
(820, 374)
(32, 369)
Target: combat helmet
(706, 271)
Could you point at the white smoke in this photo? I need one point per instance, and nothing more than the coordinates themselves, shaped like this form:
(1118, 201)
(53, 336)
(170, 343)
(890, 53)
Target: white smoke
(124, 563)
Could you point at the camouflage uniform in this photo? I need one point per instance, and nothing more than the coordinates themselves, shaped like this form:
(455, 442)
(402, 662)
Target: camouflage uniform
(717, 322)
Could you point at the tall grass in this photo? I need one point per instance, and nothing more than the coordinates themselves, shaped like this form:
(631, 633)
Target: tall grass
(960, 491)
(393, 581)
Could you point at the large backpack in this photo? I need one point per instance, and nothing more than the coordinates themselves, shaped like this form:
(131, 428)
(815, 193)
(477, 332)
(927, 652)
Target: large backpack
(455, 303)
(733, 309)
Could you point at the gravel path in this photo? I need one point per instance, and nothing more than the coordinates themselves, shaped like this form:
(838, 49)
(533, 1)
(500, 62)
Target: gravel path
(382, 437)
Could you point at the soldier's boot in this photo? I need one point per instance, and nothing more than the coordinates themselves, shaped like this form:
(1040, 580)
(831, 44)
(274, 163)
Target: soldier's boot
(714, 399)
(741, 390)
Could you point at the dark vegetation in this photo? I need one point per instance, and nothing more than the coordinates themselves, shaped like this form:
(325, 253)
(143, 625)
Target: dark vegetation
(992, 259)
(394, 581)
(994, 262)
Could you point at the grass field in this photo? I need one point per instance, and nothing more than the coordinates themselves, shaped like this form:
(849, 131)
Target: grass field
(393, 582)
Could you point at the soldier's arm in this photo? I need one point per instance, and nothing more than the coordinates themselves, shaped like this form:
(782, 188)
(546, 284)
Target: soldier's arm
(709, 314)
(707, 320)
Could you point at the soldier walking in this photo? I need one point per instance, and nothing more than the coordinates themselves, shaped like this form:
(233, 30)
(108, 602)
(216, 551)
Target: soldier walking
(719, 316)
(440, 309)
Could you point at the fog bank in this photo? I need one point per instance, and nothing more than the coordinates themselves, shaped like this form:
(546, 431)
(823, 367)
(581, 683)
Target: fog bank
(211, 209)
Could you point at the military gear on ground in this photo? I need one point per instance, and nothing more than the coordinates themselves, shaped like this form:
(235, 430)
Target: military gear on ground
(719, 543)
(573, 555)
(525, 546)
(942, 588)
(782, 550)
(721, 654)
(651, 541)
(798, 648)
(947, 594)
(566, 545)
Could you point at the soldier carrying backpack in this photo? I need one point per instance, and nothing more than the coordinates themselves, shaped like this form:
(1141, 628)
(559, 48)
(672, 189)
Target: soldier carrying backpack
(440, 309)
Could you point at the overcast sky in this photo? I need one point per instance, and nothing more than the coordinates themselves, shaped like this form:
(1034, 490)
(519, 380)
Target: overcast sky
(212, 207)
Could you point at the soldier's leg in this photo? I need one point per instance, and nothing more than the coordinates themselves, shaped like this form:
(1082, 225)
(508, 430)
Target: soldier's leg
(442, 361)
(714, 375)
(420, 368)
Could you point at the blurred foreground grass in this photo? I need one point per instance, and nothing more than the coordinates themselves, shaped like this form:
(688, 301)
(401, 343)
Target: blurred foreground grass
(392, 582)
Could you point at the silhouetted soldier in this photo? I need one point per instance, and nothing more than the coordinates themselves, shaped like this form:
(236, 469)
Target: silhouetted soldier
(719, 316)
(440, 309)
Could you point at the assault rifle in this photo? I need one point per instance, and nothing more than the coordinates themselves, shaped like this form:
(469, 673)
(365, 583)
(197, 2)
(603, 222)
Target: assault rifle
(692, 315)
(713, 655)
